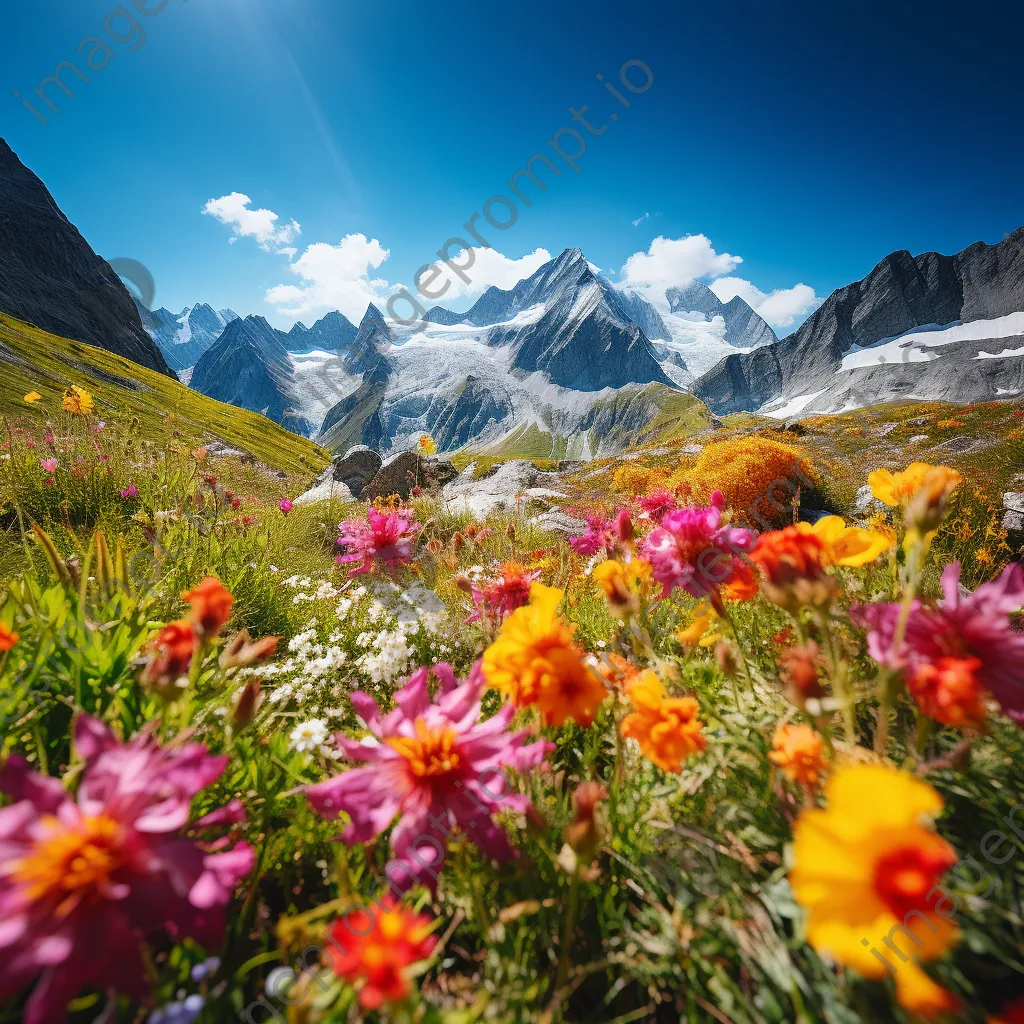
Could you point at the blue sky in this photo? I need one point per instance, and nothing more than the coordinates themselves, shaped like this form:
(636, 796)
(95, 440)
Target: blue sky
(806, 139)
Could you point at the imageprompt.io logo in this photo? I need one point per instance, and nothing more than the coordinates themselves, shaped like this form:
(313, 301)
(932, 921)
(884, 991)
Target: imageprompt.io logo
(137, 279)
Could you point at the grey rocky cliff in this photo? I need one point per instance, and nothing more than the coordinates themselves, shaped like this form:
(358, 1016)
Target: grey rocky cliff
(50, 277)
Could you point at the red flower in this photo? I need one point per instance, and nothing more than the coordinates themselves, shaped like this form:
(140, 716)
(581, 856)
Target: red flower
(373, 948)
(211, 605)
(171, 653)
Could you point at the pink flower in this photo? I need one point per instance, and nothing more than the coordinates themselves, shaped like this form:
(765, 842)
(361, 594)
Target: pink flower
(385, 536)
(86, 880)
(974, 627)
(286, 506)
(658, 502)
(131, 491)
(436, 766)
(496, 598)
(50, 465)
(693, 551)
(600, 534)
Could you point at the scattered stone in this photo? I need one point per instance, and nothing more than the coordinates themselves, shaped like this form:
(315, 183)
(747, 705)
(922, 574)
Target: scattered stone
(357, 467)
(326, 488)
(505, 487)
(691, 449)
(558, 522)
(402, 473)
(959, 446)
(1013, 514)
(918, 437)
(866, 502)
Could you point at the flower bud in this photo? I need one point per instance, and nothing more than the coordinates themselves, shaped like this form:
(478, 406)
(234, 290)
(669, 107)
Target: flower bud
(584, 832)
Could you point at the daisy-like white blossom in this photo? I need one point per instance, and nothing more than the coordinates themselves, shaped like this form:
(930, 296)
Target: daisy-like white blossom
(308, 736)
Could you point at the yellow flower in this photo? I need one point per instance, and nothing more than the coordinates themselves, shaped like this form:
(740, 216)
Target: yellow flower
(667, 728)
(896, 489)
(77, 402)
(535, 661)
(427, 445)
(693, 634)
(32, 396)
(849, 545)
(622, 583)
(867, 869)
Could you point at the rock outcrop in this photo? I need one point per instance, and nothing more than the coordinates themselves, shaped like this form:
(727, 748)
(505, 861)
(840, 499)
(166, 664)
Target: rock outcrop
(50, 277)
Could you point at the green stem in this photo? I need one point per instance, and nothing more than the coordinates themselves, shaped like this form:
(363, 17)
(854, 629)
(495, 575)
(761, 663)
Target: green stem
(564, 959)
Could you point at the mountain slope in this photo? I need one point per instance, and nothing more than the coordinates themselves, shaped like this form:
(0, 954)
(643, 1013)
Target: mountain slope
(168, 412)
(250, 367)
(50, 277)
(902, 293)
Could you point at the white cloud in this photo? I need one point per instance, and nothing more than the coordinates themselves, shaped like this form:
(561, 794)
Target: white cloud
(779, 308)
(234, 210)
(489, 267)
(334, 277)
(674, 261)
(641, 219)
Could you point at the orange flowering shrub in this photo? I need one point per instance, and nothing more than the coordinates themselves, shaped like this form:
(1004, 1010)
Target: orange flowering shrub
(744, 470)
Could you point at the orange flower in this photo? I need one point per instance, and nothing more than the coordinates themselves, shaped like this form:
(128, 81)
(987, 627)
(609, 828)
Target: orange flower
(171, 653)
(798, 751)
(793, 566)
(667, 728)
(800, 666)
(948, 690)
(535, 661)
(8, 638)
(741, 583)
(372, 948)
(623, 584)
(211, 605)
(616, 671)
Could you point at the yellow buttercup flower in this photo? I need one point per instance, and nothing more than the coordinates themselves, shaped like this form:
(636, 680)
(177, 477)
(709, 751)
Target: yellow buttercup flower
(895, 489)
(77, 402)
(427, 444)
(693, 634)
(623, 584)
(867, 869)
(667, 728)
(534, 661)
(849, 545)
(32, 396)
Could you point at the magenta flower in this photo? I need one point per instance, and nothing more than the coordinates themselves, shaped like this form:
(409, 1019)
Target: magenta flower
(974, 627)
(131, 491)
(286, 506)
(50, 465)
(599, 535)
(387, 537)
(436, 766)
(658, 502)
(692, 550)
(85, 880)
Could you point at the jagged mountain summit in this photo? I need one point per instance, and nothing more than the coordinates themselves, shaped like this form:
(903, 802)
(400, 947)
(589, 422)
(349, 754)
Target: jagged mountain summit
(183, 338)
(922, 327)
(50, 277)
(329, 334)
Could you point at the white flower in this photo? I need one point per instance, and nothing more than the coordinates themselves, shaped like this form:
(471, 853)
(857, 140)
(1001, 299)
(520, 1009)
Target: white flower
(307, 736)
